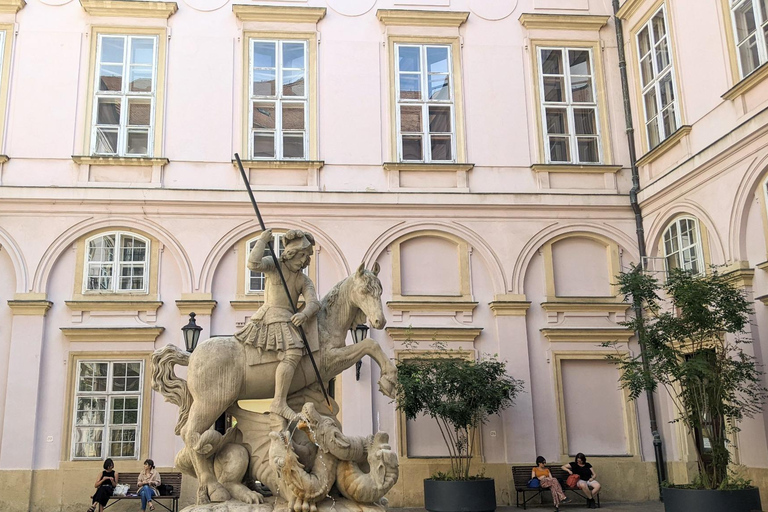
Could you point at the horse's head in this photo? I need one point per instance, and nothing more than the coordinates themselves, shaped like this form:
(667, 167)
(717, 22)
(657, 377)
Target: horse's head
(365, 293)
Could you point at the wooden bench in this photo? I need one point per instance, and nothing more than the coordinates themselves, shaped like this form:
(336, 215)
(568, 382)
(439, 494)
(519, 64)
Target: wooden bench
(173, 479)
(522, 475)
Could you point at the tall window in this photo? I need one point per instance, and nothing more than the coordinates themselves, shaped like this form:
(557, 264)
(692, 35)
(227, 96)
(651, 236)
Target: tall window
(107, 409)
(682, 246)
(569, 106)
(116, 262)
(425, 106)
(124, 99)
(255, 282)
(657, 79)
(278, 100)
(750, 26)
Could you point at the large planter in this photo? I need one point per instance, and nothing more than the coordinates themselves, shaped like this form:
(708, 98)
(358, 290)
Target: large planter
(706, 500)
(460, 496)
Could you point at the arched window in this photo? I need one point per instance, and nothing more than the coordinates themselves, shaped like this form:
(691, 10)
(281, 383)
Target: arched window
(254, 281)
(682, 246)
(116, 262)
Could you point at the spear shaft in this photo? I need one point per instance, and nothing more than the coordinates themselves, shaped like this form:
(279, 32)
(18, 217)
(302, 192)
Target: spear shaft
(282, 277)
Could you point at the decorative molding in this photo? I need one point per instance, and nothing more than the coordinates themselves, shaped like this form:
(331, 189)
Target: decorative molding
(589, 22)
(3, 158)
(29, 307)
(581, 307)
(763, 266)
(112, 334)
(199, 307)
(416, 166)
(571, 168)
(665, 145)
(11, 6)
(746, 83)
(628, 8)
(446, 334)
(739, 273)
(121, 160)
(422, 18)
(129, 8)
(114, 305)
(587, 335)
(432, 305)
(510, 307)
(246, 305)
(304, 165)
(278, 13)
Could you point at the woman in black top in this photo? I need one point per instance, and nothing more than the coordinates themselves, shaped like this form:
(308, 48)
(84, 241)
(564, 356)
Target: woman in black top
(587, 481)
(104, 485)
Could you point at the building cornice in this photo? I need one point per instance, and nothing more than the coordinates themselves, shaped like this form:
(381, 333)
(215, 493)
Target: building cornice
(628, 8)
(129, 8)
(112, 334)
(113, 305)
(197, 306)
(279, 13)
(587, 335)
(439, 334)
(571, 168)
(664, 146)
(422, 18)
(120, 160)
(746, 83)
(588, 22)
(29, 307)
(585, 307)
(11, 6)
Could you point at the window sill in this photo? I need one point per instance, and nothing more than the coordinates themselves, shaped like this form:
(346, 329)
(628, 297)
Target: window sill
(665, 146)
(587, 334)
(576, 168)
(141, 161)
(303, 165)
(418, 166)
(431, 334)
(129, 8)
(253, 304)
(127, 304)
(747, 83)
(11, 6)
(112, 334)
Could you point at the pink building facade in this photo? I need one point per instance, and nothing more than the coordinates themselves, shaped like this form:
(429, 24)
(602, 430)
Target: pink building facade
(475, 149)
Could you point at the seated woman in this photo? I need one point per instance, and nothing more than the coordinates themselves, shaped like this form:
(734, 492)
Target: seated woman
(547, 481)
(147, 483)
(587, 478)
(104, 485)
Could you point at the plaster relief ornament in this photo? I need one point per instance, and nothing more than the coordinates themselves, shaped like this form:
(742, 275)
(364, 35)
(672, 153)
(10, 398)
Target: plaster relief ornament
(298, 449)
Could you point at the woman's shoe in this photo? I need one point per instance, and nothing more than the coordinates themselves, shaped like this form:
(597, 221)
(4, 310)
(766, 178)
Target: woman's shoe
(151, 506)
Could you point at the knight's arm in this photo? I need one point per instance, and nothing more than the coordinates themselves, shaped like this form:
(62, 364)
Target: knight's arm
(311, 304)
(256, 260)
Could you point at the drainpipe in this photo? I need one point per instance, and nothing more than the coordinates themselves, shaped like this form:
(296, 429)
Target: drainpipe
(661, 469)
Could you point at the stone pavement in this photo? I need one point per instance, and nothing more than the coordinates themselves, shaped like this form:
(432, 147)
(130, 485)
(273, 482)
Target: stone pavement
(645, 506)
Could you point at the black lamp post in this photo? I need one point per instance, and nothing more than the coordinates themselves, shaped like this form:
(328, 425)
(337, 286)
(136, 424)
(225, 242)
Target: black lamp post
(191, 333)
(358, 334)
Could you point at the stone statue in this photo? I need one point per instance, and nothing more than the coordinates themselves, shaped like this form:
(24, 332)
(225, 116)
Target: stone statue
(310, 467)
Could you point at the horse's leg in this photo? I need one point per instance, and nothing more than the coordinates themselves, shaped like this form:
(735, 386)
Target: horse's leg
(339, 359)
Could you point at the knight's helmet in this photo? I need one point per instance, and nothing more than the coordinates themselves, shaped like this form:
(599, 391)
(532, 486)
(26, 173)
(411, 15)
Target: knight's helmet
(296, 240)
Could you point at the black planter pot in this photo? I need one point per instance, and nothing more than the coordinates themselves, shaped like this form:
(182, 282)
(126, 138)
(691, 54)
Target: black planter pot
(705, 500)
(460, 496)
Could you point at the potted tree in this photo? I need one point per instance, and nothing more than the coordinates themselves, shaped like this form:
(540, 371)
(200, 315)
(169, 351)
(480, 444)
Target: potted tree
(459, 394)
(693, 345)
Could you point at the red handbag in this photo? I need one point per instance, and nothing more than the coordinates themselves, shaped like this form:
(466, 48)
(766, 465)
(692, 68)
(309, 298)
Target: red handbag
(572, 481)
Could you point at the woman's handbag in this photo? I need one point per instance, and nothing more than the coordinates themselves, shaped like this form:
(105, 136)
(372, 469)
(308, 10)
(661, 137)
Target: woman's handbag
(120, 490)
(165, 489)
(534, 483)
(572, 481)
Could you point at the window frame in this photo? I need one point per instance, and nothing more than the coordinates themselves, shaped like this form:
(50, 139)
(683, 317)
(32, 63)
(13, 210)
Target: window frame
(108, 395)
(6, 47)
(760, 37)
(116, 264)
(425, 103)
(698, 245)
(655, 82)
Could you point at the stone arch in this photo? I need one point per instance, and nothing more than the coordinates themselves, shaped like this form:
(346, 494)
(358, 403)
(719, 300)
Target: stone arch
(225, 243)
(66, 239)
(491, 260)
(691, 209)
(17, 259)
(559, 231)
(750, 181)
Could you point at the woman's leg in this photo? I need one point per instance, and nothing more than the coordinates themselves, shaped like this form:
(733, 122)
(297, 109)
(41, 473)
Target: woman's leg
(557, 487)
(552, 485)
(584, 487)
(595, 487)
(143, 496)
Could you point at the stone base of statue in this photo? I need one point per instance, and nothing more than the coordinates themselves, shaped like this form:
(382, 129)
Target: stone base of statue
(337, 504)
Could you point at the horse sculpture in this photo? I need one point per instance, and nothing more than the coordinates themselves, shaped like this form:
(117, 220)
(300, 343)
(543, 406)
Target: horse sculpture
(219, 374)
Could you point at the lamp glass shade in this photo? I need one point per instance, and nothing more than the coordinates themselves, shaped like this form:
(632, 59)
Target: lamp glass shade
(191, 333)
(360, 332)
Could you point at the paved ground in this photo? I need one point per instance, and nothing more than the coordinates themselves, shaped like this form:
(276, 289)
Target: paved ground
(646, 506)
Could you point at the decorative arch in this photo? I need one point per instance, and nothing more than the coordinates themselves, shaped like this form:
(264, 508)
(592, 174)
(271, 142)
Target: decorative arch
(750, 181)
(205, 284)
(556, 231)
(17, 259)
(712, 245)
(453, 229)
(66, 239)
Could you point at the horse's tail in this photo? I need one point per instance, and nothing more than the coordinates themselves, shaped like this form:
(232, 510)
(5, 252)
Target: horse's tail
(165, 381)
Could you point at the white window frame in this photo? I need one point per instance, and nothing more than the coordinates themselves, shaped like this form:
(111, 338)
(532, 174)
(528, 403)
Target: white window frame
(108, 395)
(425, 102)
(569, 106)
(655, 82)
(124, 96)
(761, 24)
(117, 263)
(697, 245)
(278, 100)
(249, 274)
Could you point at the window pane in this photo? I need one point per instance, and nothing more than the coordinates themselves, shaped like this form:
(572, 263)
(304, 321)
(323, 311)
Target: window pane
(264, 115)
(110, 78)
(99, 277)
(263, 82)
(293, 55)
(552, 62)
(90, 411)
(106, 141)
(88, 442)
(139, 111)
(141, 79)
(112, 50)
(293, 145)
(132, 249)
(588, 149)
(745, 21)
(409, 58)
(584, 122)
(557, 120)
(410, 87)
(293, 116)
(412, 148)
(441, 147)
(553, 89)
(142, 50)
(659, 26)
(264, 145)
(669, 121)
(643, 41)
(667, 90)
(263, 54)
(749, 55)
(439, 87)
(662, 55)
(437, 60)
(131, 278)
(137, 142)
(134, 369)
(293, 83)
(579, 62)
(559, 150)
(646, 70)
(118, 369)
(410, 119)
(440, 119)
(581, 90)
(651, 108)
(102, 248)
(108, 111)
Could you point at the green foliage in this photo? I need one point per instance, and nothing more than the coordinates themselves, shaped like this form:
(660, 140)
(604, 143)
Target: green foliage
(692, 342)
(459, 394)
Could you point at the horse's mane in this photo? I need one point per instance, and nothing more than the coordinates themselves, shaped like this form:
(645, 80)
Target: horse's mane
(372, 286)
